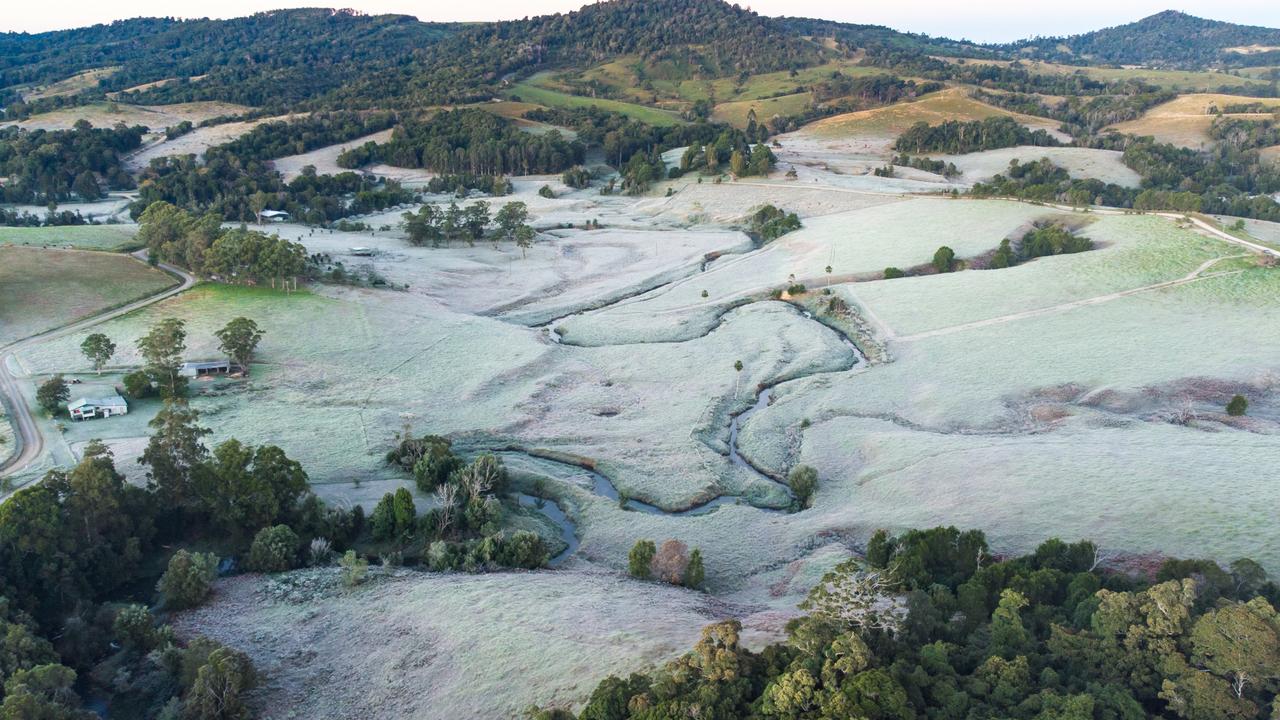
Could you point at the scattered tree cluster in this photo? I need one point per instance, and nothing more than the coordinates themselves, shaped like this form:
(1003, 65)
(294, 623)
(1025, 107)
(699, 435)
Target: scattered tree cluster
(771, 223)
(200, 244)
(956, 136)
(464, 529)
(672, 563)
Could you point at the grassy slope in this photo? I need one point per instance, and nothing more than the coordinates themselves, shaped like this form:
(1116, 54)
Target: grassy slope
(529, 91)
(44, 289)
(935, 108)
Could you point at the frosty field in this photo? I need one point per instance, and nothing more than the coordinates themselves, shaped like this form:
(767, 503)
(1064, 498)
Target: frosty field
(1076, 395)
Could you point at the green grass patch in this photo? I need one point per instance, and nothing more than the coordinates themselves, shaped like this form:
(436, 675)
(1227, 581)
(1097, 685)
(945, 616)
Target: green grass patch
(82, 237)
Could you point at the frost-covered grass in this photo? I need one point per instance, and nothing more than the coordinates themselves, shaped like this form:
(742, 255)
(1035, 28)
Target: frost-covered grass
(194, 142)
(446, 646)
(1080, 163)
(44, 289)
(86, 237)
(866, 240)
(1131, 252)
(325, 159)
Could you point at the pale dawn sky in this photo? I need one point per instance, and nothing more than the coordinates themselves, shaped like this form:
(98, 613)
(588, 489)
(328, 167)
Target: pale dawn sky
(986, 21)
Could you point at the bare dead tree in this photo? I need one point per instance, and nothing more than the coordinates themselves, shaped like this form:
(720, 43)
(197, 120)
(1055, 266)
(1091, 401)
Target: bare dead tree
(447, 499)
(859, 597)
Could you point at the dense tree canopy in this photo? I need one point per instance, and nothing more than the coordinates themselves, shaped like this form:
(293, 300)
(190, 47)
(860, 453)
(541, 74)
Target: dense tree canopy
(43, 165)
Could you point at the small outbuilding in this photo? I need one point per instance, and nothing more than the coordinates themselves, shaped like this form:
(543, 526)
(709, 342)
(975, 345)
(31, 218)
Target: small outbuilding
(205, 367)
(275, 216)
(89, 408)
(361, 251)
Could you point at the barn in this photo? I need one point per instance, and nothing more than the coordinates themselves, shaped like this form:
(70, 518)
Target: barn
(205, 367)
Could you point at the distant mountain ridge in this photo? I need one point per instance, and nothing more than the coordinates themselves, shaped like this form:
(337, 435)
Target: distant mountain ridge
(1169, 39)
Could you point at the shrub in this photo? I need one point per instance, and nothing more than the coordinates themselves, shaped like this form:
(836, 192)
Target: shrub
(274, 549)
(640, 558)
(1238, 406)
(187, 580)
(219, 686)
(804, 482)
(695, 573)
(892, 273)
(524, 549)
(546, 192)
(137, 384)
(944, 259)
(354, 568)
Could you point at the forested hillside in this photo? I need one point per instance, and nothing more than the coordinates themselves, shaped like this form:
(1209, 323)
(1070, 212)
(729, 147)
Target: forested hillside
(1170, 38)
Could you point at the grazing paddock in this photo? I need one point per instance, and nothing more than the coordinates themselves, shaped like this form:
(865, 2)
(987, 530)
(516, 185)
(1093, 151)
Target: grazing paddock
(44, 289)
(82, 237)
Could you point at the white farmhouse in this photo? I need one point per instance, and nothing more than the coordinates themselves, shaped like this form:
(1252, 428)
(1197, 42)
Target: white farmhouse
(87, 408)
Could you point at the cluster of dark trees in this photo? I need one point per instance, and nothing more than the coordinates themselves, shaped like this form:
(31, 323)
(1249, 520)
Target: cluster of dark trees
(957, 136)
(934, 625)
(238, 190)
(298, 135)
(620, 137)
(461, 184)
(434, 226)
(464, 530)
(53, 165)
(743, 160)
(1246, 134)
(1041, 241)
(81, 549)
(9, 216)
(200, 244)
(468, 141)
(770, 223)
(945, 169)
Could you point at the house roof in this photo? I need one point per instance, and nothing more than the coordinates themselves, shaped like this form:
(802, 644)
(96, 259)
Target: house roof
(113, 401)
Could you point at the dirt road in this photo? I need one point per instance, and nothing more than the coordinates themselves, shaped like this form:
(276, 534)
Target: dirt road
(29, 440)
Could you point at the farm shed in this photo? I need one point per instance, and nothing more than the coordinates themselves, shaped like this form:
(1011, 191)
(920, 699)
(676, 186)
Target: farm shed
(205, 367)
(87, 408)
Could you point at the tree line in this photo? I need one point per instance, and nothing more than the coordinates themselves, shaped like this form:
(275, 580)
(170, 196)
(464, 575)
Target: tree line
(298, 135)
(934, 624)
(957, 136)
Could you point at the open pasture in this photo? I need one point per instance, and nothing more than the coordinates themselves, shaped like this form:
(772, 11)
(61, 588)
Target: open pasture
(43, 289)
(1080, 163)
(892, 120)
(531, 91)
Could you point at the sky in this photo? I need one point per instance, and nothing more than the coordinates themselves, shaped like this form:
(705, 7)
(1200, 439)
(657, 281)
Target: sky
(983, 21)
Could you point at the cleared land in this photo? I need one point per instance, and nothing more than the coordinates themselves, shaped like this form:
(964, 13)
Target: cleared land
(891, 121)
(69, 86)
(194, 142)
(1185, 120)
(325, 159)
(548, 638)
(153, 117)
(83, 237)
(531, 91)
(1104, 165)
(43, 289)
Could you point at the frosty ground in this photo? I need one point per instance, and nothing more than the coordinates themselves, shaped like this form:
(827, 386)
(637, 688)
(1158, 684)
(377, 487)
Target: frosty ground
(1077, 396)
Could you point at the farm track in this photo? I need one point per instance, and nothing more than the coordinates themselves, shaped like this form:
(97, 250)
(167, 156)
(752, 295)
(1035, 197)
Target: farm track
(29, 440)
